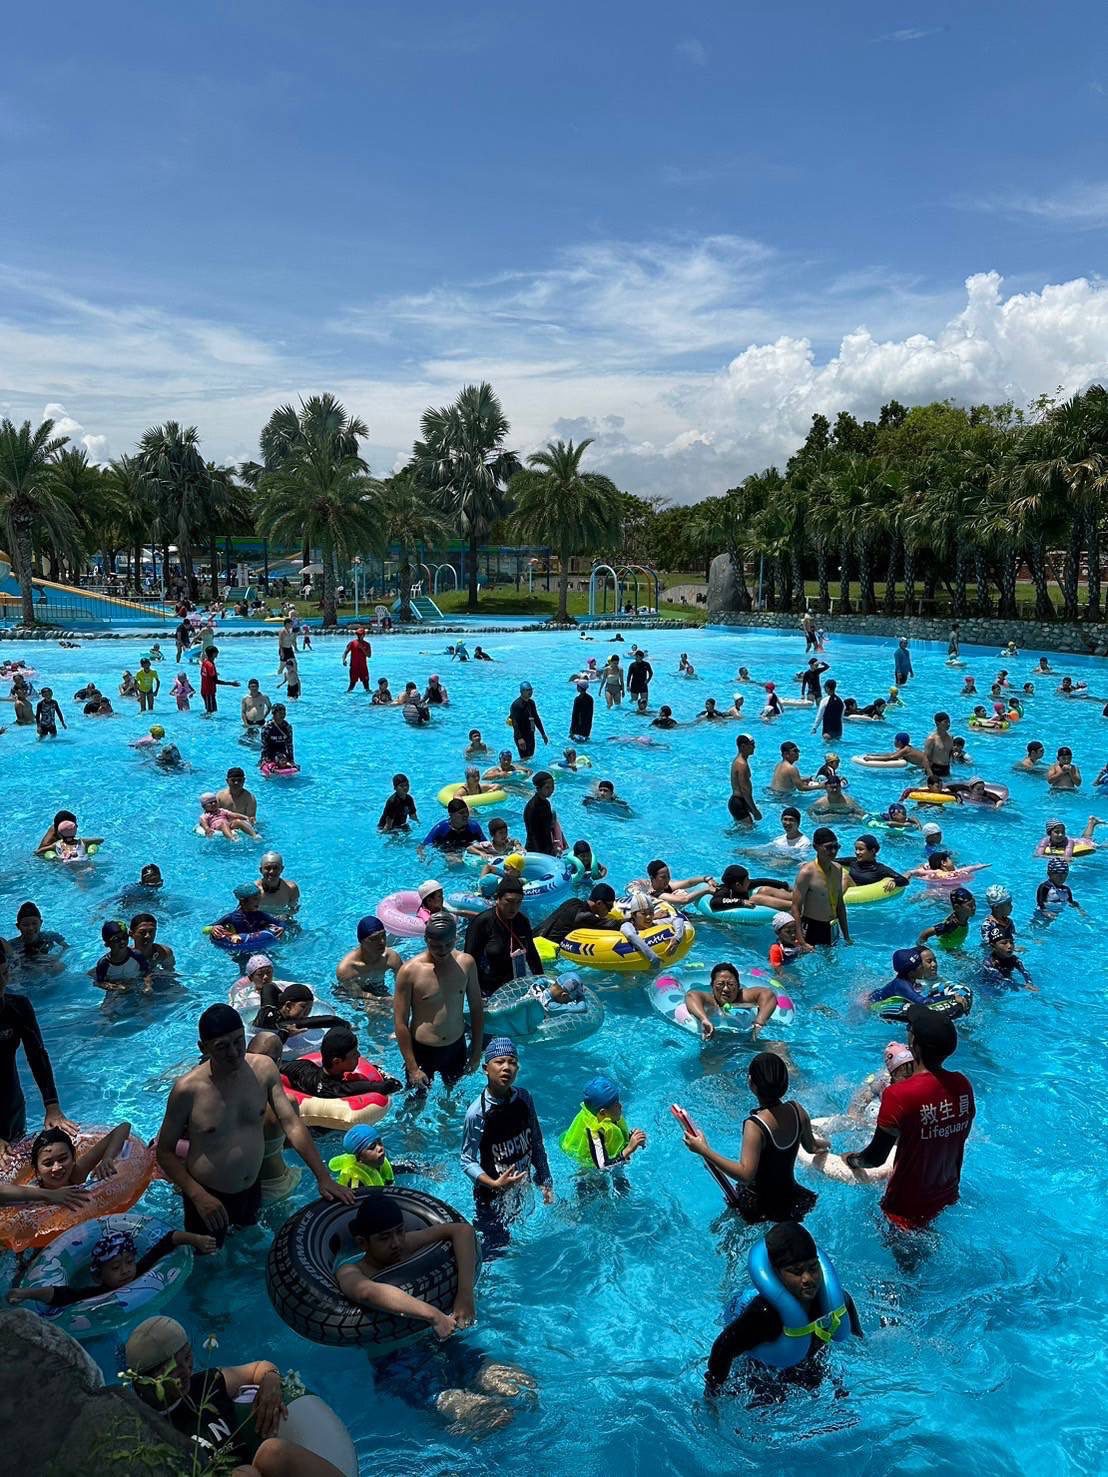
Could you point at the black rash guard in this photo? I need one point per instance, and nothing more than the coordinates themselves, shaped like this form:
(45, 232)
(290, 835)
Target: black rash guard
(19, 1027)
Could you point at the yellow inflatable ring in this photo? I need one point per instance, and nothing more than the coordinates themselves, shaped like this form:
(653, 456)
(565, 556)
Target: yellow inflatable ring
(1080, 848)
(931, 797)
(870, 892)
(487, 797)
(602, 948)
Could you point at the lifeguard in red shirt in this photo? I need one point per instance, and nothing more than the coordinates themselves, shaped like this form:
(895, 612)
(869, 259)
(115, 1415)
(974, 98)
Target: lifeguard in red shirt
(359, 651)
(927, 1117)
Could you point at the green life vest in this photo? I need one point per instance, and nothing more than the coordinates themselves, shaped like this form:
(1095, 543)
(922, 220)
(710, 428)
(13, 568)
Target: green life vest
(575, 1140)
(348, 1169)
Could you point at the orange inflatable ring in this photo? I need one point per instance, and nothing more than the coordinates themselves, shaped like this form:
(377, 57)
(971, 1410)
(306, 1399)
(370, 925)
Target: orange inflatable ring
(33, 1224)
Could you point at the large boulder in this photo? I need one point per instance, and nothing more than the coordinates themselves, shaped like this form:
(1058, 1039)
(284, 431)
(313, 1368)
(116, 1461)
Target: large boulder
(723, 586)
(57, 1416)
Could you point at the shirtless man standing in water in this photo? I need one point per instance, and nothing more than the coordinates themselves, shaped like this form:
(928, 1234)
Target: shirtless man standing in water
(279, 895)
(741, 804)
(220, 1108)
(818, 894)
(431, 990)
(365, 967)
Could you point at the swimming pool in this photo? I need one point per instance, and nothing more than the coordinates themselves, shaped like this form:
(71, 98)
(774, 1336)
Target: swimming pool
(985, 1359)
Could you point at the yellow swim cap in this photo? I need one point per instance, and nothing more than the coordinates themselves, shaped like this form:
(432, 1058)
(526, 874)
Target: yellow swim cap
(157, 731)
(515, 862)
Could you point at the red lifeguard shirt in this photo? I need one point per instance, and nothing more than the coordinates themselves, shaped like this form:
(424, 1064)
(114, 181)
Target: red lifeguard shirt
(931, 1113)
(207, 677)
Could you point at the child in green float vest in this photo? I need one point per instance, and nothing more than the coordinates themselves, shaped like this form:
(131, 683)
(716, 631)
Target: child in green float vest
(363, 1161)
(599, 1137)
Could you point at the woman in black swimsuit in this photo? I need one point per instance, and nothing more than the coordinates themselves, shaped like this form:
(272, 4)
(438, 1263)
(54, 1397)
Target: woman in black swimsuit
(772, 1134)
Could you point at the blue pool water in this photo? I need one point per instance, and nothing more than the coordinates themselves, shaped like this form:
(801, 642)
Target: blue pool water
(985, 1359)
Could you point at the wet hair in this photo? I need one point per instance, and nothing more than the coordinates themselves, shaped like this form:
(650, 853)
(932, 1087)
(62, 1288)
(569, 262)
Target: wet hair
(338, 1042)
(142, 918)
(790, 810)
(734, 876)
(498, 823)
(724, 967)
(654, 867)
(295, 995)
(48, 1136)
(769, 1079)
(457, 805)
(399, 779)
(544, 777)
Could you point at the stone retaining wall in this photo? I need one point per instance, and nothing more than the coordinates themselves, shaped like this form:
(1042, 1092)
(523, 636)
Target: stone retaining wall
(138, 633)
(975, 630)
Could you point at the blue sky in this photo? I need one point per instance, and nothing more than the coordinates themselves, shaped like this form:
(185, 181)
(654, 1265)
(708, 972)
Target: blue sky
(681, 231)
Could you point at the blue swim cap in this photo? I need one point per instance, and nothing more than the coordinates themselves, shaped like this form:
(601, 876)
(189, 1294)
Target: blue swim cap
(600, 1093)
(905, 960)
(245, 891)
(902, 739)
(108, 931)
(368, 926)
(500, 1046)
(358, 1138)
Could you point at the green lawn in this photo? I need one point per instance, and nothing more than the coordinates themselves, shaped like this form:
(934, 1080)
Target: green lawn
(504, 600)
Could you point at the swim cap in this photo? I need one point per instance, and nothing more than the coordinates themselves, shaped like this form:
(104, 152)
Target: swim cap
(1057, 867)
(368, 926)
(934, 1033)
(245, 891)
(157, 731)
(207, 797)
(154, 1343)
(358, 1138)
(582, 686)
(272, 859)
(870, 842)
(769, 1077)
(425, 889)
(525, 687)
(500, 1046)
(896, 808)
(902, 739)
(515, 863)
(781, 920)
(929, 828)
(258, 961)
(600, 1093)
(638, 902)
(897, 1055)
(441, 926)
(109, 1246)
(218, 1020)
(603, 893)
(509, 886)
(822, 835)
(788, 1244)
(377, 1213)
(998, 893)
(961, 895)
(769, 686)
(113, 927)
(67, 828)
(434, 677)
(906, 960)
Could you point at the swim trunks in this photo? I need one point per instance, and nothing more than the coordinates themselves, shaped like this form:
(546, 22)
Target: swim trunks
(448, 1061)
(818, 931)
(942, 770)
(242, 1207)
(740, 810)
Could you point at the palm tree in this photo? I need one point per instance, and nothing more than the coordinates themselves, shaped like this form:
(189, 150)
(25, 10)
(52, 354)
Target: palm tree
(90, 499)
(170, 457)
(326, 496)
(411, 519)
(461, 455)
(558, 505)
(133, 514)
(29, 499)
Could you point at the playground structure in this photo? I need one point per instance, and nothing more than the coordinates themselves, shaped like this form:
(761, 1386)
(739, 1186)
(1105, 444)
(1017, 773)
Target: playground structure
(629, 575)
(67, 605)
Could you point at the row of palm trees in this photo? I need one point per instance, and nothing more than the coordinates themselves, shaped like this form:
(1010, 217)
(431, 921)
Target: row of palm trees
(310, 488)
(936, 497)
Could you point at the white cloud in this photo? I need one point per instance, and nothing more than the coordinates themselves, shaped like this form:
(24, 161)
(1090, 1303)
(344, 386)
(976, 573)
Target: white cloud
(692, 50)
(912, 33)
(1080, 205)
(97, 447)
(692, 363)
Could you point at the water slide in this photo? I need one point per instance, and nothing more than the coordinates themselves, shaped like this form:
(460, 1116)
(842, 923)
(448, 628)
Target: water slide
(72, 606)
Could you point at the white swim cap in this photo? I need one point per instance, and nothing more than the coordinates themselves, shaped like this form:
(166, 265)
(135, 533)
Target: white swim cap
(781, 920)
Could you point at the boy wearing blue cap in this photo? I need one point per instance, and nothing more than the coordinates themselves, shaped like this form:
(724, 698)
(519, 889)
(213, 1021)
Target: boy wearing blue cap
(599, 1137)
(363, 1161)
(365, 967)
(502, 1146)
(249, 917)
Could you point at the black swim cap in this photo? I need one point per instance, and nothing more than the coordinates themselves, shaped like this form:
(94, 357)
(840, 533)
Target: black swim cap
(440, 925)
(788, 1244)
(603, 893)
(935, 1034)
(769, 1077)
(375, 1214)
